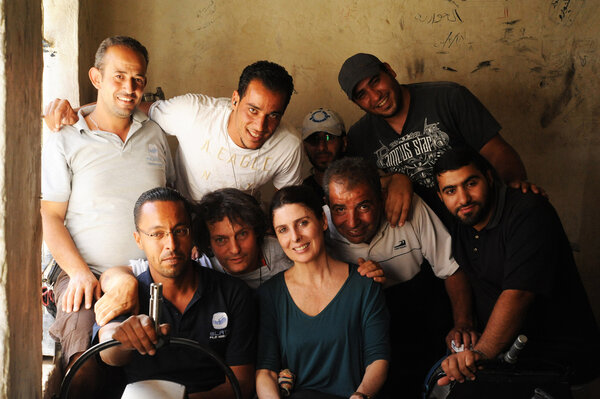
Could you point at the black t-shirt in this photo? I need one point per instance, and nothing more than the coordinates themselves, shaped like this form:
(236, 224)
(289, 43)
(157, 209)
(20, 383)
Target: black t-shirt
(221, 315)
(524, 247)
(441, 115)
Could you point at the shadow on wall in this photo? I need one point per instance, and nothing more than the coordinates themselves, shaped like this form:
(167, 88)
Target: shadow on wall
(589, 258)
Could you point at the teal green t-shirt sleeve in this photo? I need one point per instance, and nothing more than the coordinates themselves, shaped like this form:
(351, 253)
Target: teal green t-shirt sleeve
(269, 356)
(375, 326)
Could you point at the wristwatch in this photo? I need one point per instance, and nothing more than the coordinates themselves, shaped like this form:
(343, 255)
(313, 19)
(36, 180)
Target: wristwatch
(362, 395)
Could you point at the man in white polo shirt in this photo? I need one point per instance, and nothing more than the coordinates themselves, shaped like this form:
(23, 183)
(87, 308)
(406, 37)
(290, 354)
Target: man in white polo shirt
(92, 174)
(419, 311)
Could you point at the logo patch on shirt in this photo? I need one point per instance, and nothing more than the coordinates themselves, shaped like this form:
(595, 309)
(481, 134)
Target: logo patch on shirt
(401, 244)
(220, 320)
(153, 157)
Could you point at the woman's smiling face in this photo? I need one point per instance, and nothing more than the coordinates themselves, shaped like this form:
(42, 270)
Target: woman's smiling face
(300, 232)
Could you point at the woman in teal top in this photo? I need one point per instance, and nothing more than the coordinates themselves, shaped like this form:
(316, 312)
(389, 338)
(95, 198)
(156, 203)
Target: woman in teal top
(320, 319)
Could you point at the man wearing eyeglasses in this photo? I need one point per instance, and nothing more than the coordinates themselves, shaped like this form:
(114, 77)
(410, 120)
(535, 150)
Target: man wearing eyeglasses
(324, 136)
(211, 308)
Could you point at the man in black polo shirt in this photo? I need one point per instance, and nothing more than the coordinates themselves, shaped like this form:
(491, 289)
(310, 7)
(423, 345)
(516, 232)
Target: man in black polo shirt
(520, 265)
(211, 308)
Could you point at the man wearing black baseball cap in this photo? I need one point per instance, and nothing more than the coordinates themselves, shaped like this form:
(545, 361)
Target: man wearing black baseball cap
(408, 127)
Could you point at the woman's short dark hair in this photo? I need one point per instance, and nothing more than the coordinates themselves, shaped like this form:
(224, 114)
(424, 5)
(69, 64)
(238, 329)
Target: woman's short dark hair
(237, 206)
(303, 195)
(273, 76)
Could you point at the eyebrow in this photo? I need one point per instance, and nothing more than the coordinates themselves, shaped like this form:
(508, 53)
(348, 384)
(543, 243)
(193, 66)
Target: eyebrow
(160, 226)
(373, 78)
(125, 72)
(254, 106)
(462, 182)
(293, 221)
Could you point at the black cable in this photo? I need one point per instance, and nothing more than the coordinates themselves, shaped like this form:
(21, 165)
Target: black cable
(66, 383)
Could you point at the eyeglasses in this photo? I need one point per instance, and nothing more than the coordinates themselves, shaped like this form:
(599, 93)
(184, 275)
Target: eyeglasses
(316, 138)
(178, 232)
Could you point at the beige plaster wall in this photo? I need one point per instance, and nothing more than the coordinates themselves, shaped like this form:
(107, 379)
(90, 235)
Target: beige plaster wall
(61, 79)
(20, 229)
(534, 64)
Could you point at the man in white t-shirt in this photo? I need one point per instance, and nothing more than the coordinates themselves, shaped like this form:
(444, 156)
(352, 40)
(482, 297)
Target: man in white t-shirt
(239, 142)
(419, 310)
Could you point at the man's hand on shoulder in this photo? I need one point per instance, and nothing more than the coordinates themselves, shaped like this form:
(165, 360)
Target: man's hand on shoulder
(526, 186)
(83, 286)
(398, 192)
(137, 332)
(371, 269)
(59, 113)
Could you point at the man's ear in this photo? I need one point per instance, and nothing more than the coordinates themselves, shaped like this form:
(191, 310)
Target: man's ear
(138, 240)
(95, 77)
(324, 221)
(235, 99)
(389, 69)
(344, 143)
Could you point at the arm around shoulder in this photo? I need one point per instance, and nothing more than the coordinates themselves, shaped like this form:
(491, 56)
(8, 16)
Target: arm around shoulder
(59, 113)
(505, 159)
(398, 192)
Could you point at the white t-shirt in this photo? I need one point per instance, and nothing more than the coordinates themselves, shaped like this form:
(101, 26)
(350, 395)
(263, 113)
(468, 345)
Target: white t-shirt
(400, 250)
(275, 261)
(102, 177)
(207, 159)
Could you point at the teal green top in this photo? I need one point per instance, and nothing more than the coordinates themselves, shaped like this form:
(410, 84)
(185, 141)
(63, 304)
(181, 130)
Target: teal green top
(328, 352)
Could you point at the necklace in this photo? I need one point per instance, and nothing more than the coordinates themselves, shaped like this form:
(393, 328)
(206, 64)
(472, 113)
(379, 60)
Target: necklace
(95, 123)
(98, 126)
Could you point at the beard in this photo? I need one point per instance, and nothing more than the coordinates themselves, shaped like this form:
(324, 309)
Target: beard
(480, 212)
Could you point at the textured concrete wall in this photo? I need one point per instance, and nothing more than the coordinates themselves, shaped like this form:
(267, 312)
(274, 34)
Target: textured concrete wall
(61, 79)
(20, 229)
(534, 64)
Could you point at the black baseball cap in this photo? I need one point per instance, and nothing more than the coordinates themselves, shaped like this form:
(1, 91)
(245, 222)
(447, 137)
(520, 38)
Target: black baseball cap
(355, 69)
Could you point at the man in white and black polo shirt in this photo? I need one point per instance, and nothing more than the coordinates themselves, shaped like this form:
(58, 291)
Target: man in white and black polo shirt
(420, 314)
